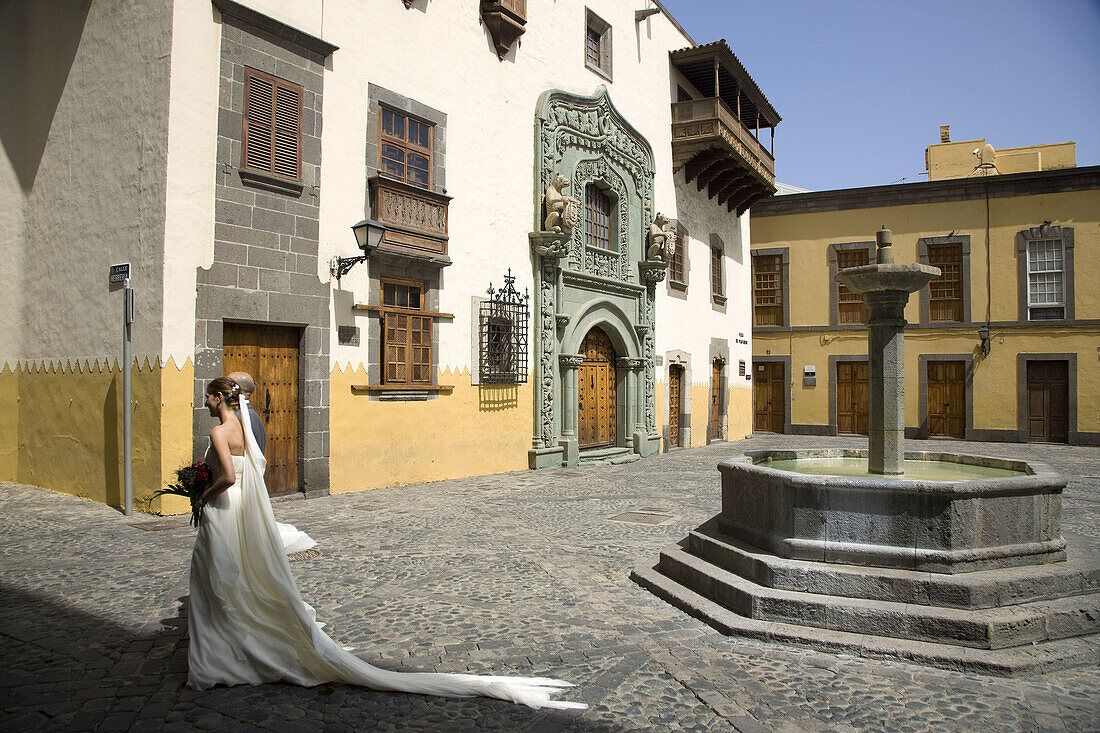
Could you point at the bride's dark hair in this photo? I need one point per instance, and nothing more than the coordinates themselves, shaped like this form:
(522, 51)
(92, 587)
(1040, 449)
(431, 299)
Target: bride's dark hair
(228, 389)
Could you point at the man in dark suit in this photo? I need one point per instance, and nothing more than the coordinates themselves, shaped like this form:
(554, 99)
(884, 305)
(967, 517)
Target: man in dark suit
(248, 386)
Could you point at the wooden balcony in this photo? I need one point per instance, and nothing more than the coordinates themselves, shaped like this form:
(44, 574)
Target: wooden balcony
(720, 154)
(415, 219)
(712, 134)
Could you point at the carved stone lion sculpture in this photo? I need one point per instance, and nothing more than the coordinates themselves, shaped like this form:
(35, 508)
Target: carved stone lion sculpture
(662, 239)
(561, 209)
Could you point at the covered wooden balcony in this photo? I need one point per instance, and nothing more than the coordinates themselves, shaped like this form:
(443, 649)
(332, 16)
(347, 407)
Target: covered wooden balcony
(716, 138)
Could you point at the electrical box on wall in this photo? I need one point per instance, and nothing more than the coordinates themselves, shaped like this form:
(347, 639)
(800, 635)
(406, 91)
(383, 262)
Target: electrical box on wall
(809, 376)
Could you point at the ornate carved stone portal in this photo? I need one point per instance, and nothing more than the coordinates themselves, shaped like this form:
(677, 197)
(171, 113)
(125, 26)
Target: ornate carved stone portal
(594, 271)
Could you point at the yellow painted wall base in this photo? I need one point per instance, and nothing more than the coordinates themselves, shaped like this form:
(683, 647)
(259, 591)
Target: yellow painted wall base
(739, 412)
(473, 431)
(66, 429)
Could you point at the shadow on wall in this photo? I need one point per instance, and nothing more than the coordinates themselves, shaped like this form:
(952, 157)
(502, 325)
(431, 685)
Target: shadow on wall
(497, 397)
(38, 43)
(112, 449)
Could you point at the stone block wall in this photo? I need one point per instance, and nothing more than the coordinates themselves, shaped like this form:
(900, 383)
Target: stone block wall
(265, 268)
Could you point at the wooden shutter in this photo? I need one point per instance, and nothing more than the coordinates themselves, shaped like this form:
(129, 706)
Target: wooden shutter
(272, 137)
(767, 290)
(850, 306)
(945, 301)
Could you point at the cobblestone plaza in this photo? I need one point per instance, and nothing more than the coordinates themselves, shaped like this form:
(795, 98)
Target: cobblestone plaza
(523, 573)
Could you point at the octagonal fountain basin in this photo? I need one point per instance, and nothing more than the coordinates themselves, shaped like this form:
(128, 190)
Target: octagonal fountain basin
(948, 513)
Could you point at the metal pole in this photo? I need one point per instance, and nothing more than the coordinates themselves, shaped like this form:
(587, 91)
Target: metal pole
(127, 467)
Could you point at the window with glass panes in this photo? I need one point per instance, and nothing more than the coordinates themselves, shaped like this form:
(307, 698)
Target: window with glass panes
(767, 290)
(850, 306)
(406, 335)
(597, 44)
(597, 217)
(716, 287)
(945, 293)
(405, 148)
(676, 265)
(1046, 298)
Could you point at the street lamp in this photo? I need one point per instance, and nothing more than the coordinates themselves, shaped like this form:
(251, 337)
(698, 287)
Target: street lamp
(368, 235)
(983, 336)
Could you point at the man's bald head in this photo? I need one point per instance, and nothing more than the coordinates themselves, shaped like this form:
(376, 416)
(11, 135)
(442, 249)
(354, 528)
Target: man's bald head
(248, 385)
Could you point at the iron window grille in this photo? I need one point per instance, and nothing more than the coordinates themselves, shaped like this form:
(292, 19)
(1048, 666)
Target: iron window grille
(502, 330)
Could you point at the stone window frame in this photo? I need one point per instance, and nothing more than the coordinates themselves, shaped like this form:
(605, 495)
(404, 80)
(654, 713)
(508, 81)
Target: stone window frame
(784, 254)
(834, 286)
(678, 288)
(595, 25)
(378, 97)
(785, 360)
(717, 269)
(922, 394)
(1073, 436)
(385, 266)
(925, 297)
(1045, 231)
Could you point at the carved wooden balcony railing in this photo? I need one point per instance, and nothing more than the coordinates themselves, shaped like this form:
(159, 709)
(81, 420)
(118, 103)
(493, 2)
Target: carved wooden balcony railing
(717, 150)
(415, 219)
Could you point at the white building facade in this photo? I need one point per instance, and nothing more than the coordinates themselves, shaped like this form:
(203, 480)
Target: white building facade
(227, 151)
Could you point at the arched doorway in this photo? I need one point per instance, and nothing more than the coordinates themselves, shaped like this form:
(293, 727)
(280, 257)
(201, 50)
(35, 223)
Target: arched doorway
(596, 392)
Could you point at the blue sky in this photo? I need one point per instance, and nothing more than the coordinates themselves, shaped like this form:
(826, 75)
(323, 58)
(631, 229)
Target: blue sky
(864, 85)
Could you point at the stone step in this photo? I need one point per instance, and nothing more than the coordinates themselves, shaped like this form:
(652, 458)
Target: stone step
(996, 628)
(605, 456)
(1018, 661)
(1078, 575)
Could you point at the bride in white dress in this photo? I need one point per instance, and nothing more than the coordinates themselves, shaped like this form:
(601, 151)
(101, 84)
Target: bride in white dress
(248, 622)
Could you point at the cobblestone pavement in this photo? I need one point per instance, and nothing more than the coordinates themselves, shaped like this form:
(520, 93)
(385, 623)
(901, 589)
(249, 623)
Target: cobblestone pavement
(524, 572)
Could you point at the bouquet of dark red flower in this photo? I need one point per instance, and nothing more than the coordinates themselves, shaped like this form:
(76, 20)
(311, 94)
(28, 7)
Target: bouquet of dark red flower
(191, 482)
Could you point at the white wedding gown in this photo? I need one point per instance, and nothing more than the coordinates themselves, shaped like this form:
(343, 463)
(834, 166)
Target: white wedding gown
(249, 624)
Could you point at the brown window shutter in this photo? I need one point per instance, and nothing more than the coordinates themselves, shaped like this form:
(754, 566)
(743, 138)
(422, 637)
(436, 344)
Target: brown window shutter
(272, 138)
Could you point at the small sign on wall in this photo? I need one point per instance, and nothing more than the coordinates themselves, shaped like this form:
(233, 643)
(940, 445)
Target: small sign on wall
(809, 376)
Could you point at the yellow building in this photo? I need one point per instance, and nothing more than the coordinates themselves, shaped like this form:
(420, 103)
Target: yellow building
(976, 158)
(1003, 346)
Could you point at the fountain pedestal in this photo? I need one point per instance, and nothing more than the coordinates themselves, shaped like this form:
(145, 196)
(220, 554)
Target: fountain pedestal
(885, 287)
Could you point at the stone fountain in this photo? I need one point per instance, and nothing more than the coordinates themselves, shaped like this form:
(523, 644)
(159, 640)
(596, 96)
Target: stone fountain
(952, 560)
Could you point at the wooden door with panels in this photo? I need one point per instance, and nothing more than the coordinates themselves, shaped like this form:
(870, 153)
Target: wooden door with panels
(675, 404)
(852, 397)
(714, 429)
(768, 390)
(947, 399)
(1048, 401)
(270, 355)
(596, 392)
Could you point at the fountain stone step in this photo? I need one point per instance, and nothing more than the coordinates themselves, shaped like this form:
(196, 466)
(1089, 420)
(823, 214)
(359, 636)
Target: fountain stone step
(1079, 574)
(1016, 661)
(995, 628)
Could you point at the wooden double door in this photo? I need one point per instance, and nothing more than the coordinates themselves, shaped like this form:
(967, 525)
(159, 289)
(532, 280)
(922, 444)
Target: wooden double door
(947, 399)
(596, 387)
(270, 355)
(1048, 401)
(853, 387)
(769, 387)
